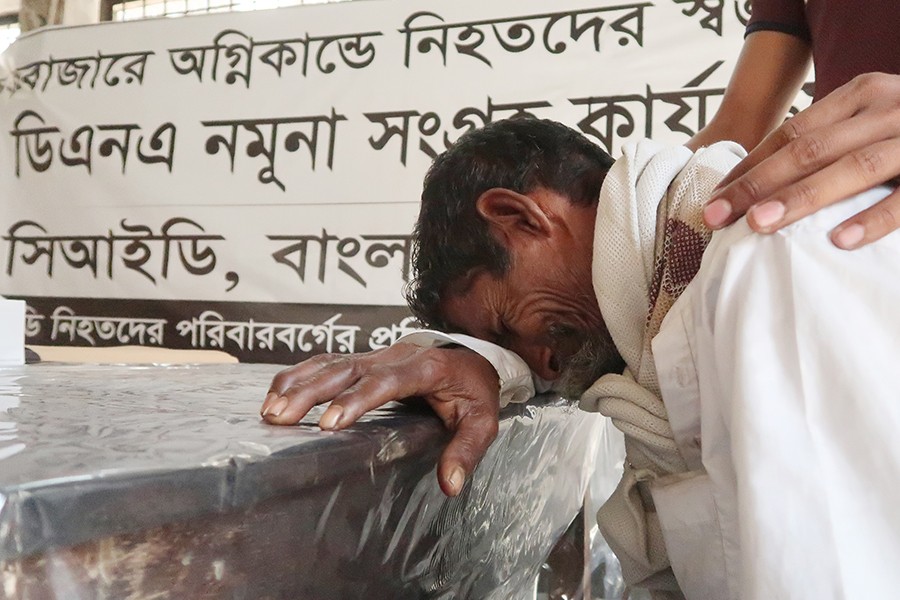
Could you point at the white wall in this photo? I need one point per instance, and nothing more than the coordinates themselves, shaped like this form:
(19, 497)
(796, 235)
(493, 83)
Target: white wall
(80, 12)
(9, 6)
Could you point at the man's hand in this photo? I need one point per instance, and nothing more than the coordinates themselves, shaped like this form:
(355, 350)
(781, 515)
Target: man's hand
(846, 143)
(461, 387)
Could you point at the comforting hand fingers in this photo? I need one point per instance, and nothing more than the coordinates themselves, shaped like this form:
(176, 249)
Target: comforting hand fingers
(473, 434)
(840, 105)
(775, 174)
(837, 106)
(870, 225)
(859, 114)
(856, 172)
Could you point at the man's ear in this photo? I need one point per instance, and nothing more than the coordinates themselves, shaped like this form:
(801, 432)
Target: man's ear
(512, 213)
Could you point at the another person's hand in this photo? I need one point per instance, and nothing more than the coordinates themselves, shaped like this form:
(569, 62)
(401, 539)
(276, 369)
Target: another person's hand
(846, 143)
(461, 387)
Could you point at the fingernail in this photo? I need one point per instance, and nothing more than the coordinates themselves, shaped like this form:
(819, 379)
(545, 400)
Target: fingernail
(717, 212)
(456, 479)
(768, 214)
(330, 418)
(270, 398)
(849, 237)
(279, 407)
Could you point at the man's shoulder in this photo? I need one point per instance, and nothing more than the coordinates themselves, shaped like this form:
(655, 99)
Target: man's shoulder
(799, 254)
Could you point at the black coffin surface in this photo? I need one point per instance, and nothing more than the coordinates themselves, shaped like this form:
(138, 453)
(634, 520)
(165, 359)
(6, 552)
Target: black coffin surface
(161, 481)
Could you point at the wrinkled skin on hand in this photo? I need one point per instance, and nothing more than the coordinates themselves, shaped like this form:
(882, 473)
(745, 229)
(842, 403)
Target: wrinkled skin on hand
(846, 143)
(459, 385)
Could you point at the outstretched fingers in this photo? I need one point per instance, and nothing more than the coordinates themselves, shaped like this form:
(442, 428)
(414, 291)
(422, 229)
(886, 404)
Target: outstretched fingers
(474, 431)
(382, 383)
(294, 392)
(461, 386)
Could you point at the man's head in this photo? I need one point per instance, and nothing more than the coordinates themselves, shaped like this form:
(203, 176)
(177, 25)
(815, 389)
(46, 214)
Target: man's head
(504, 246)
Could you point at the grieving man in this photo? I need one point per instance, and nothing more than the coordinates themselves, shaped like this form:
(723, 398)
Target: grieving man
(750, 374)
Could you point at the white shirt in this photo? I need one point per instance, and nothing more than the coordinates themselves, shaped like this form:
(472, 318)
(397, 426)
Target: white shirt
(777, 370)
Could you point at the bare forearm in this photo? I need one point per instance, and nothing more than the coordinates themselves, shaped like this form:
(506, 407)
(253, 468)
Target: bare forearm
(769, 72)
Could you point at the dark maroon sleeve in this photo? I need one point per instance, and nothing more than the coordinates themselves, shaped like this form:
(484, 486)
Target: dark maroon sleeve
(786, 16)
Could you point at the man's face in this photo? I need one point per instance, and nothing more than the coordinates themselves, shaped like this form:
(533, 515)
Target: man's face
(544, 309)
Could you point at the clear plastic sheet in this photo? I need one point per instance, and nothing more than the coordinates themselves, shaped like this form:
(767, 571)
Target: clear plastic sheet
(136, 482)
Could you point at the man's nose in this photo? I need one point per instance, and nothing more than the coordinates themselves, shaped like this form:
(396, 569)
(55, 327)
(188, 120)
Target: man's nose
(542, 360)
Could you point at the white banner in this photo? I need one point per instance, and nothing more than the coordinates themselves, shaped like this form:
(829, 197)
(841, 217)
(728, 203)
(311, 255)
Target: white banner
(273, 160)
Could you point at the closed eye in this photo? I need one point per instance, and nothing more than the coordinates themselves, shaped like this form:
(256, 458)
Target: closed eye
(502, 333)
(562, 331)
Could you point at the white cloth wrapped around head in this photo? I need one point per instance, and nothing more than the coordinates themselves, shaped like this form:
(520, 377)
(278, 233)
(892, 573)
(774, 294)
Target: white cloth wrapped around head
(648, 244)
